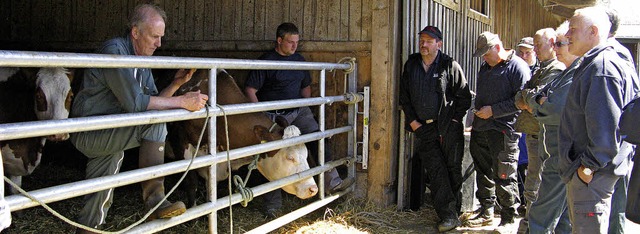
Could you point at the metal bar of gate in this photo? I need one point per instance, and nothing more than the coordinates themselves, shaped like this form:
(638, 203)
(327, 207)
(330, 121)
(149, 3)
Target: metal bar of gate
(201, 210)
(58, 193)
(212, 191)
(47, 127)
(41, 128)
(11, 58)
(321, 148)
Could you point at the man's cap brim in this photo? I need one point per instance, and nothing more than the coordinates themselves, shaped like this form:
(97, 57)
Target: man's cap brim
(481, 51)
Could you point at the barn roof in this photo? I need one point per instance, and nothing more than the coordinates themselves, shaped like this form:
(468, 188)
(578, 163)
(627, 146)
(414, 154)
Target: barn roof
(629, 25)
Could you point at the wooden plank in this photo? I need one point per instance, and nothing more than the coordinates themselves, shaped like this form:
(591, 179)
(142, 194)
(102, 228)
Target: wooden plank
(193, 20)
(355, 20)
(5, 16)
(199, 19)
(175, 27)
(249, 45)
(60, 20)
(40, 28)
(209, 20)
(296, 16)
(237, 20)
(383, 128)
(322, 25)
(275, 15)
(84, 21)
(20, 25)
(218, 20)
(247, 17)
(308, 28)
(260, 21)
(105, 25)
(366, 20)
(333, 19)
(343, 32)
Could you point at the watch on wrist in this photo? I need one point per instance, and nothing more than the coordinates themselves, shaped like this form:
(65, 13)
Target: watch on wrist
(587, 171)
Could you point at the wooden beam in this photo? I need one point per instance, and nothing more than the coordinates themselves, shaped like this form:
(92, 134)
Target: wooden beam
(247, 46)
(384, 124)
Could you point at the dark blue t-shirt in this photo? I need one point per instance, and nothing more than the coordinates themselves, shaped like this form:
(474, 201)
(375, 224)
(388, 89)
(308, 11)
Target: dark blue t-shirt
(275, 85)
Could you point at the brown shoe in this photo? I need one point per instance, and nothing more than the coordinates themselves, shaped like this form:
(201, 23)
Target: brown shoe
(168, 210)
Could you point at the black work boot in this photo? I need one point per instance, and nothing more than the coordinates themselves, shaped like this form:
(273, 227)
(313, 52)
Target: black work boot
(151, 154)
(483, 216)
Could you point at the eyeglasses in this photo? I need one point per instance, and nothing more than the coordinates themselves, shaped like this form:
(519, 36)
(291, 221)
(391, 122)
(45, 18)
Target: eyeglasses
(560, 43)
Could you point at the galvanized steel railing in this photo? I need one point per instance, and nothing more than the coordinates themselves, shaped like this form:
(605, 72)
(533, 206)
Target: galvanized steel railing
(71, 60)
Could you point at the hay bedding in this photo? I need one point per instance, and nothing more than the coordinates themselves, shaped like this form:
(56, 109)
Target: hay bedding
(346, 215)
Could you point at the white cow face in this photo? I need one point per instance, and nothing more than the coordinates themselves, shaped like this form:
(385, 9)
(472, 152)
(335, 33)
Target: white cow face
(289, 161)
(53, 97)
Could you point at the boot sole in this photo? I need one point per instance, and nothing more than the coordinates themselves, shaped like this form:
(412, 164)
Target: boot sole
(173, 210)
(477, 223)
(172, 213)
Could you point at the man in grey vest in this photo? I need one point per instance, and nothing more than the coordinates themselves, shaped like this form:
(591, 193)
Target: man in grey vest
(550, 67)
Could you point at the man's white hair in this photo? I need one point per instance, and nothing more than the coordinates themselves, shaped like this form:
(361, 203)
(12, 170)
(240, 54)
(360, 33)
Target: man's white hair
(547, 33)
(595, 16)
(562, 29)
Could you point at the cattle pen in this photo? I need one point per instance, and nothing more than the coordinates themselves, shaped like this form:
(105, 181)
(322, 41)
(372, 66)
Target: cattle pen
(73, 60)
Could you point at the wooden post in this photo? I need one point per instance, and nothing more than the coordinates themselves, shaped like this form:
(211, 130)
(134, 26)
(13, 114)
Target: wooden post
(385, 64)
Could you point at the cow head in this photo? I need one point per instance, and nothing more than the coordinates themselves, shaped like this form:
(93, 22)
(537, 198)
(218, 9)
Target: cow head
(53, 97)
(287, 161)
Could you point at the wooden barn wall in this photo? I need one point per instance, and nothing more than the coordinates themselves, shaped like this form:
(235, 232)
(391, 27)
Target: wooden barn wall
(517, 19)
(329, 30)
(191, 24)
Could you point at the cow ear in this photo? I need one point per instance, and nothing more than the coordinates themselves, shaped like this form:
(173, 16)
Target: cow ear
(262, 133)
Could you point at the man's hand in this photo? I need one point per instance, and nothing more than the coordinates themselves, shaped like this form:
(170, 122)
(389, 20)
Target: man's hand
(485, 112)
(542, 100)
(584, 177)
(183, 76)
(519, 101)
(194, 101)
(415, 125)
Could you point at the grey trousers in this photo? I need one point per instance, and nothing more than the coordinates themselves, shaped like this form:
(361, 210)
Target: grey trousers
(590, 205)
(495, 156)
(105, 152)
(534, 170)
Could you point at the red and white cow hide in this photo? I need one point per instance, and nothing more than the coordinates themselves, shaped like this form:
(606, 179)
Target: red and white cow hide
(244, 130)
(30, 94)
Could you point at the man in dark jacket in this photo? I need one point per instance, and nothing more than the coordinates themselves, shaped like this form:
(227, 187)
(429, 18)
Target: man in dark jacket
(592, 155)
(494, 142)
(434, 96)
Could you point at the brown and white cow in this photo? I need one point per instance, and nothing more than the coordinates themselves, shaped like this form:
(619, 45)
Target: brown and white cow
(30, 94)
(244, 130)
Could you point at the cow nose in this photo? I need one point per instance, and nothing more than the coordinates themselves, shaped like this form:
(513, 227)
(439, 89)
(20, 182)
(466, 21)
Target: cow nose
(313, 190)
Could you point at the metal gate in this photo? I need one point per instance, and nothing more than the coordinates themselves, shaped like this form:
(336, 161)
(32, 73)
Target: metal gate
(65, 191)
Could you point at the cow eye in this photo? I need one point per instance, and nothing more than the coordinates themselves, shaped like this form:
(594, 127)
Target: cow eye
(291, 158)
(41, 100)
(67, 102)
